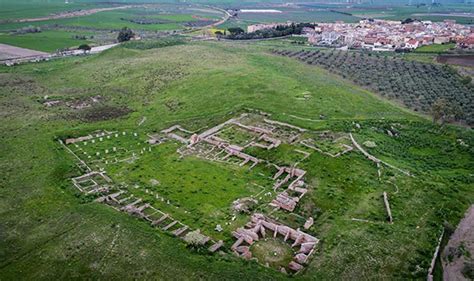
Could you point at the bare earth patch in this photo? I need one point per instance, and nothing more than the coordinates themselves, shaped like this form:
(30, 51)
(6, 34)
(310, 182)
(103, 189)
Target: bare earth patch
(101, 113)
(463, 60)
(458, 255)
(11, 52)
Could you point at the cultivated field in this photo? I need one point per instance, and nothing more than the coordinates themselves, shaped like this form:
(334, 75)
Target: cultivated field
(8, 52)
(459, 12)
(51, 228)
(462, 60)
(69, 26)
(417, 85)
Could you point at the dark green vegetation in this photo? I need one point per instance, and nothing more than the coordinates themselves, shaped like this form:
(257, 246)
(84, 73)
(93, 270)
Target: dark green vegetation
(279, 31)
(151, 44)
(417, 85)
(125, 35)
(50, 230)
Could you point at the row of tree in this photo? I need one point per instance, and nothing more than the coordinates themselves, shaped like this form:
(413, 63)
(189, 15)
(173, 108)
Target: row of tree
(417, 85)
(278, 31)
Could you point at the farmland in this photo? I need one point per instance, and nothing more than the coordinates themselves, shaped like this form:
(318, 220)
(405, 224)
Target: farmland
(435, 48)
(132, 92)
(296, 15)
(170, 157)
(101, 27)
(417, 85)
(423, 12)
(47, 41)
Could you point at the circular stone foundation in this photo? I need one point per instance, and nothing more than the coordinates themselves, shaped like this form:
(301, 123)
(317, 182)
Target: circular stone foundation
(272, 251)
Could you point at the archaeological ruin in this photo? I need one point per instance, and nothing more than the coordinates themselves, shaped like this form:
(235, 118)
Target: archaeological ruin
(234, 143)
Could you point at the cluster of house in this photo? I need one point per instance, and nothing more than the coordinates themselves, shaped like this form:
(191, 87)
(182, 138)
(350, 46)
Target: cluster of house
(384, 35)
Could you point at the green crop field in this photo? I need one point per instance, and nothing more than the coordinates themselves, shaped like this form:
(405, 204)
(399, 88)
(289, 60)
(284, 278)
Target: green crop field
(427, 12)
(50, 230)
(57, 32)
(298, 15)
(435, 48)
(31, 9)
(47, 41)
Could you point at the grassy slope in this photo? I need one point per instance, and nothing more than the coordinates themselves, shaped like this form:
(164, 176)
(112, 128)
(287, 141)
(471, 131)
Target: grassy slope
(47, 230)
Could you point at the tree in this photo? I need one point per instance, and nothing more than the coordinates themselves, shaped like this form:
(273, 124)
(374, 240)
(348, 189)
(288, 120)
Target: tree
(444, 111)
(125, 34)
(235, 30)
(86, 48)
(466, 80)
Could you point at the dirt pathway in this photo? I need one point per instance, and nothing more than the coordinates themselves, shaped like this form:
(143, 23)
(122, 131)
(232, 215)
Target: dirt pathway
(458, 255)
(10, 52)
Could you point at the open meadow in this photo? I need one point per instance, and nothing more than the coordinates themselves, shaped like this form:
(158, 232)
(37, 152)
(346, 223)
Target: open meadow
(122, 101)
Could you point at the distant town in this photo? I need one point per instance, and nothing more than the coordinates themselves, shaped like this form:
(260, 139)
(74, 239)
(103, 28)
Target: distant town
(383, 35)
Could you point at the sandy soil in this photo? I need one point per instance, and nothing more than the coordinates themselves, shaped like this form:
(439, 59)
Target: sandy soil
(460, 244)
(10, 52)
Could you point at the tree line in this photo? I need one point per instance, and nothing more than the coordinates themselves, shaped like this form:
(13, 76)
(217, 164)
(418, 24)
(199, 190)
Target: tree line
(278, 31)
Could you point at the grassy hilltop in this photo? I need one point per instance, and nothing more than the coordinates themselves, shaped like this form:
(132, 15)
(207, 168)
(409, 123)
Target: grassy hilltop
(50, 230)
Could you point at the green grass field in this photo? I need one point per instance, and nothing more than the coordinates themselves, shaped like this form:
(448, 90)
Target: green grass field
(110, 20)
(50, 230)
(298, 15)
(399, 12)
(57, 33)
(435, 48)
(32, 9)
(47, 41)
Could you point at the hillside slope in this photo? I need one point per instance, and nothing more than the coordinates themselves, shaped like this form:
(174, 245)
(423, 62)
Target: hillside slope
(48, 230)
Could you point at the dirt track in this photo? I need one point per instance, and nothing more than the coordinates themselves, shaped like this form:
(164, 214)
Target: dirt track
(72, 14)
(459, 252)
(10, 52)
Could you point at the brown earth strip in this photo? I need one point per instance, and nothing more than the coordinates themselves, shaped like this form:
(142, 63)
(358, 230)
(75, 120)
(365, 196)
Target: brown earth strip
(10, 52)
(458, 255)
